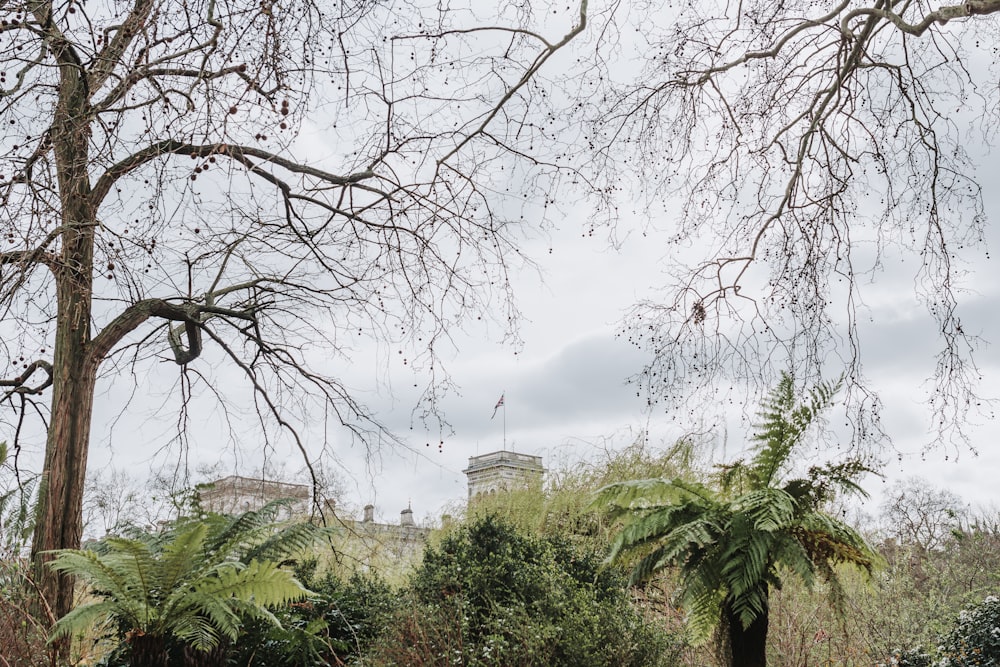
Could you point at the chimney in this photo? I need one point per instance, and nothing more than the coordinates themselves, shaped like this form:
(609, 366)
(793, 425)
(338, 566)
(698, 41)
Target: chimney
(406, 517)
(369, 513)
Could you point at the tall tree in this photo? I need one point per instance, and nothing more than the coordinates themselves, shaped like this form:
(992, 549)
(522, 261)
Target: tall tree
(801, 144)
(734, 541)
(157, 202)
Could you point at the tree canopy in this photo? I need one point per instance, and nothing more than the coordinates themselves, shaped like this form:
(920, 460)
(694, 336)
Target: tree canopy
(252, 186)
(793, 149)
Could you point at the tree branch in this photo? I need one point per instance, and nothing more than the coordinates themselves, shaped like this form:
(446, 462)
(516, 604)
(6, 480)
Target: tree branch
(940, 16)
(540, 60)
(111, 55)
(191, 314)
(172, 147)
(37, 255)
(19, 383)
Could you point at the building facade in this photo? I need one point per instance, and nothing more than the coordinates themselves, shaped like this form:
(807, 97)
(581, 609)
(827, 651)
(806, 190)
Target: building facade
(236, 494)
(503, 471)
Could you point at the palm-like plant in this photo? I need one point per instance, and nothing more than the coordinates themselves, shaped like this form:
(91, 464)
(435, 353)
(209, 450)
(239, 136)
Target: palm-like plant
(733, 539)
(189, 589)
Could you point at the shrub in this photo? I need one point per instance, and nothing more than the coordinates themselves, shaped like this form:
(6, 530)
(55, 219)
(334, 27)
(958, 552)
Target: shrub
(332, 626)
(182, 597)
(490, 595)
(22, 635)
(913, 657)
(975, 639)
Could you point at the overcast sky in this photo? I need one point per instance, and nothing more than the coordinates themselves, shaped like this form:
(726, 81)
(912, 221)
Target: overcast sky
(566, 395)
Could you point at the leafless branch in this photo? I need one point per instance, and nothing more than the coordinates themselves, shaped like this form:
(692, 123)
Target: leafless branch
(792, 143)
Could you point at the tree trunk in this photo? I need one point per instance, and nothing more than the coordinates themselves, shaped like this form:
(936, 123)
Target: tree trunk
(747, 646)
(59, 515)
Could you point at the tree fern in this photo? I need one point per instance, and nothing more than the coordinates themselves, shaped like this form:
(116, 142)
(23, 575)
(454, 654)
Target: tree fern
(784, 422)
(191, 583)
(732, 543)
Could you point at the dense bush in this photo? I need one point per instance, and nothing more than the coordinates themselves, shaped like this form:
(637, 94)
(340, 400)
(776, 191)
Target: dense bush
(335, 624)
(491, 595)
(975, 639)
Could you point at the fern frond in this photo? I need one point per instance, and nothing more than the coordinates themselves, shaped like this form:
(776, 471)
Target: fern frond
(84, 617)
(197, 631)
(750, 606)
(182, 557)
(633, 495)
(789, 553)
(647, 566)
(746, 558)
(827, 539)
(292, 539)
(783, 423)
(704, 610)
(679, 527)
(111, 576)
(262, 581)
(241, 533)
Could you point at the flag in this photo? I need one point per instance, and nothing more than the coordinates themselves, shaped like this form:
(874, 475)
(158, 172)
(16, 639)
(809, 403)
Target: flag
(497, 406)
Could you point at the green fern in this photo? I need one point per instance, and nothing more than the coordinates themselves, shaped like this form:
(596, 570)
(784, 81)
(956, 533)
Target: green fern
(17, 517)
(732, 543)
(784, 422)
(197, 582)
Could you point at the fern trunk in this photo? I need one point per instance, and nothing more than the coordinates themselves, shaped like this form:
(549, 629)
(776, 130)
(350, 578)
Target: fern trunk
(214, 657)
(747, 646)
(148, 651)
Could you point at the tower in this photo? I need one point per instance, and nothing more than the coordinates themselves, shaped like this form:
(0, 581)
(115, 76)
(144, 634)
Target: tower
(500, 471)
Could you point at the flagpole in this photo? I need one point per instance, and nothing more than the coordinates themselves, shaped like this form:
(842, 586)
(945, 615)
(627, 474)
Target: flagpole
(505, 421)
(502, 404)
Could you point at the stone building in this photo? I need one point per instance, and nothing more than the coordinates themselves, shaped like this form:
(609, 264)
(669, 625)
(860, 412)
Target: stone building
(502, 471)
(236, 494)
(389, 548)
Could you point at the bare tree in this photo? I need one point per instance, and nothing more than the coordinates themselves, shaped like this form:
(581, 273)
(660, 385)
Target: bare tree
(160, 200)
(803, 143)
(917, 514)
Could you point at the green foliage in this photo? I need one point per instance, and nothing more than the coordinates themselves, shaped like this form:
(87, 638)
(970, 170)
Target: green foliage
(563, 508)
(975, 639)
(17, 504)
(732, 542)
(193, 586)
(23, 634)
(493, 595)
(335, 623)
